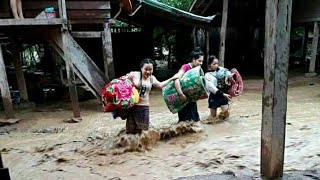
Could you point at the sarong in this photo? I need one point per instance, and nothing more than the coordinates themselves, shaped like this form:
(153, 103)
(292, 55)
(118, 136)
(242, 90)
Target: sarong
(137, 119)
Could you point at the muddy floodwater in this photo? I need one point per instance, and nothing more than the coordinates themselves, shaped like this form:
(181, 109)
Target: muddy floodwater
(41, 146)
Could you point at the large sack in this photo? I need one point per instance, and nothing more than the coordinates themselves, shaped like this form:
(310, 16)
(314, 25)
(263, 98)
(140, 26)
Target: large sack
(119, 94)
(236, 83)
(193, 86)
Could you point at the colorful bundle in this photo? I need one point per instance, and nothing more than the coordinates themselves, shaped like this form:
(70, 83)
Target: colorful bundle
(192, 85)
(119, 94)
(236, 83)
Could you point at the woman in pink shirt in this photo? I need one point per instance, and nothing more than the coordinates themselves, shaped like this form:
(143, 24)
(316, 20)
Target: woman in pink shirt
(190, 111)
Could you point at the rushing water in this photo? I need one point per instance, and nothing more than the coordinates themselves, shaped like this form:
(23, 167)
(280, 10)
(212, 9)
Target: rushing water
(41, 146)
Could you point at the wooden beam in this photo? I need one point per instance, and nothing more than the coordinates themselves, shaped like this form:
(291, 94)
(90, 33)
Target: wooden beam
(305, 42)
(223, 32)
(192, 5)
(306, 20)
(62, 9)
(19, 72)
(207, 49)
(81, 5)
(107, 52)
(69, 65)
(314, 48)
(87, 21)
(83, 65)
(5, 90)
(79, 15)
(274, 98)
(194, 34)
(86, 34)
(78, 72)
(208, 4)
(89, 14)
(30, 21)
(70, 75)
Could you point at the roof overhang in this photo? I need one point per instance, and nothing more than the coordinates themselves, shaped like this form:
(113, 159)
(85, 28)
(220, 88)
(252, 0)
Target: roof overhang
(175, 14)
(159, 13)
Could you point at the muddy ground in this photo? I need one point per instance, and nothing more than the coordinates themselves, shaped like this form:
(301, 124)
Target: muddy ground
(42, 146)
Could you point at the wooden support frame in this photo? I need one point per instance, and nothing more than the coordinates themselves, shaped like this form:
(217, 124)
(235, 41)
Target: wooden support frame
(107, 52)
(274, 99)
(5, 90)
(194, 35)
(67, 56)
(305, 42)
(70, 75)
(30, 22)
(207, 48)
(19, 72)
(86, 34)
(83, 66)
(223, 32)
(314, 48)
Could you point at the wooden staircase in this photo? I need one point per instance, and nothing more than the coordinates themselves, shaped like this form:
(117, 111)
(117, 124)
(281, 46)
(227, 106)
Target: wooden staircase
(83, 65)
(57, 32)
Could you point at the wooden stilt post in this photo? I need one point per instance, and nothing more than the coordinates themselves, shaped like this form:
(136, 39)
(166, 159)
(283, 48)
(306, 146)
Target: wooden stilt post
(207, 49)
(194, 35)
(69, 66)
(71, 76)
(314, 48)
(223, 32)
(274, 101)
(19, 72)
(5, 90)
(305, 43)
(4, 172)
(107, 52)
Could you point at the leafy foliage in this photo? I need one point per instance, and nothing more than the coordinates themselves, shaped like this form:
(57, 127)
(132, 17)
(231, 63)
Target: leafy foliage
(163, 37)
(180, 4)
(297, 33)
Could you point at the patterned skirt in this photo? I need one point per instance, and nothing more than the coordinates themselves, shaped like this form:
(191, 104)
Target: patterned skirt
(137, 120)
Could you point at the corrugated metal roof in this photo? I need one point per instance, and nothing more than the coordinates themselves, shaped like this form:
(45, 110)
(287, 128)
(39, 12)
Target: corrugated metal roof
(174, 14)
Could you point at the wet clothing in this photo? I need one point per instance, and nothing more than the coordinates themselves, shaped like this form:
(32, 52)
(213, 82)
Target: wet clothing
(190, 111)
(216, 100)
(137, 119)
(217, 83)
(138, 115)
(143, 86)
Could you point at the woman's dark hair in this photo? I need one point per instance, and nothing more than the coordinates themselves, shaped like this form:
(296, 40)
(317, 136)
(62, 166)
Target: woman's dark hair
(196, 53)
(211, 59)
(147, 61)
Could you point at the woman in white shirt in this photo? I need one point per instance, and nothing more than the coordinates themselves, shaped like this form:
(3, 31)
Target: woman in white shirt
(138, 115)
(217, 84)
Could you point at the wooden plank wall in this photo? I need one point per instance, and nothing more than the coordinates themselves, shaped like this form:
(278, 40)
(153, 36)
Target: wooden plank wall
(78, 11)
(305, 11)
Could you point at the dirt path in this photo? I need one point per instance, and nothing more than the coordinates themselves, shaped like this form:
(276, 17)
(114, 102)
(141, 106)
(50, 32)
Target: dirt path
(41, 146)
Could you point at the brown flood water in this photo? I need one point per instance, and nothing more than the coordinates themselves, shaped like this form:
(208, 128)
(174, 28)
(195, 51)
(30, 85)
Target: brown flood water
(41, 146)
